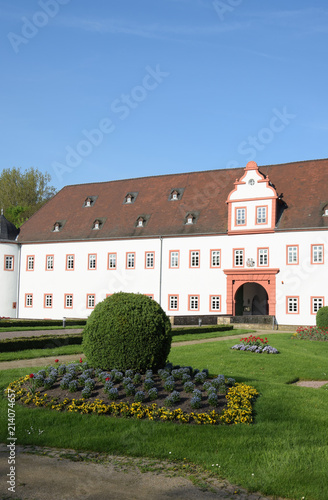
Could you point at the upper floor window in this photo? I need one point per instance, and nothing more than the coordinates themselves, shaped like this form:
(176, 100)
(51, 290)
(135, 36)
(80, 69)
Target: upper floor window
(292, 254)
(238, 257)
(261, 215)
(49, 263)
(263, 257)
(140, 222)
(174, 258)
(88, 202)
(92, 261)
(130, 260)
(316, 304)
(194, 258)
(317, 254)
(215, 258)
(112, 261)
(56, 227)
(149, 260)
(69, 262)
(240, 216)
(30, 263)
(174, 195)
(9, 263)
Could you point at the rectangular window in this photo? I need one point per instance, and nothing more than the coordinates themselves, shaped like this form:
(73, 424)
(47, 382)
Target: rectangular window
(215, 302)
(30, 263)
(194, 258)
(263, 257)
(238, 257)
(292, 305)
(261, 215)
(28, 300)
(292, 254)
(149, 260)
(69, 262)
(92, 261)
(9, 263)
(112, 261)
(48, 300)
(91, 301)
(240, 216)
(215, 258)
(317, 254)
(316, 303)
(130, 260)
(174, 258)
(193, 302)
(173, 302)
(68, 300)
(49, 263)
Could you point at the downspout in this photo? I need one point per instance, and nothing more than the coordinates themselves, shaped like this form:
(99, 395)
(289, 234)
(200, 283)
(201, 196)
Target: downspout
(160, 270)
(18, 280)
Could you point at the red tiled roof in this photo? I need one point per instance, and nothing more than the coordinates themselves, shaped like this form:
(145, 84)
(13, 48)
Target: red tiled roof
(303, 185)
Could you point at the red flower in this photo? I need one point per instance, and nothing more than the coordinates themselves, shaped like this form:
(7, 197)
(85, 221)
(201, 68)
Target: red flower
(56, 360)
(31, 375)
(107, 378)
(81, 360)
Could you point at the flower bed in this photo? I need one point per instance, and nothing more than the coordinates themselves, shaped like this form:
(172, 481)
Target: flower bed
(255, 344)
(212, 400)
(311, 333)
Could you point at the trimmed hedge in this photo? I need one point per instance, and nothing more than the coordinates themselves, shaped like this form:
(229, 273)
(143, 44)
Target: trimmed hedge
(322, 317)
(41, 342)
(127, 331)
(184, 330)
(7, 323)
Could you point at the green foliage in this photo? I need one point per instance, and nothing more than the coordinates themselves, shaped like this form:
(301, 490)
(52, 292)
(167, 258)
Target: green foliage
(23, 193)
(127, 331)
(41, 342)
(322, 317)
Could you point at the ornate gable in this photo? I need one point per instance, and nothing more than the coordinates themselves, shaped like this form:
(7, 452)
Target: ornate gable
(252, 203)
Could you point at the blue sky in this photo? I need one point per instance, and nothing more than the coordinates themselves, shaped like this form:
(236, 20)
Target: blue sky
(104, 90)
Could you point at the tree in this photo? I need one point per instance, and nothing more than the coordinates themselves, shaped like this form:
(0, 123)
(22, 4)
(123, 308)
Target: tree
(23, 193)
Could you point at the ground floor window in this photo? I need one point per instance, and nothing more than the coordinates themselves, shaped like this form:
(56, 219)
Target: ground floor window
(194, 302)
(316, 304)
(293, 305)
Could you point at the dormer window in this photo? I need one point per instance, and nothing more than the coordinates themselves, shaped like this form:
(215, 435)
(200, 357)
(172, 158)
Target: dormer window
(176, 194)
(140, 222)
(89, 201)
(96, 224)
(56, 227)
(325, 212)
(190, 219)
(128, 198)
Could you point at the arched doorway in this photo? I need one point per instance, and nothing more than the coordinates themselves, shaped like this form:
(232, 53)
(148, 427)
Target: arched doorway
(251, 299)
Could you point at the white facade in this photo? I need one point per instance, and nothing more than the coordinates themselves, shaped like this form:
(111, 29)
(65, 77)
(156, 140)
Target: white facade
(255, 267)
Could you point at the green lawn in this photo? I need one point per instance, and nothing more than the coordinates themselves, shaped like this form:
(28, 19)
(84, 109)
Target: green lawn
(77, 349)
(285, 453)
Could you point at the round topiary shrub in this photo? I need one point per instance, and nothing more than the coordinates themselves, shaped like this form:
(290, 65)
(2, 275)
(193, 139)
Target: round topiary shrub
(322, 317)
(127, 331)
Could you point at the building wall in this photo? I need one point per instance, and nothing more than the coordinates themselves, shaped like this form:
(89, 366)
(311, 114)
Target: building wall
(8, 279)
(301, 280)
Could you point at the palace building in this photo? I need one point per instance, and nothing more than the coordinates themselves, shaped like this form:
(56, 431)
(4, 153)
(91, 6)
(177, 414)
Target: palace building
(239, 242)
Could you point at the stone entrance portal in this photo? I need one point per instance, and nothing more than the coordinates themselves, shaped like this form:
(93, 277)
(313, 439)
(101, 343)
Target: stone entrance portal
(251, 292)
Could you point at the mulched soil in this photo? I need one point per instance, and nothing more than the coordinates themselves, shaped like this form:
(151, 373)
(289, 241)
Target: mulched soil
(98, 393)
